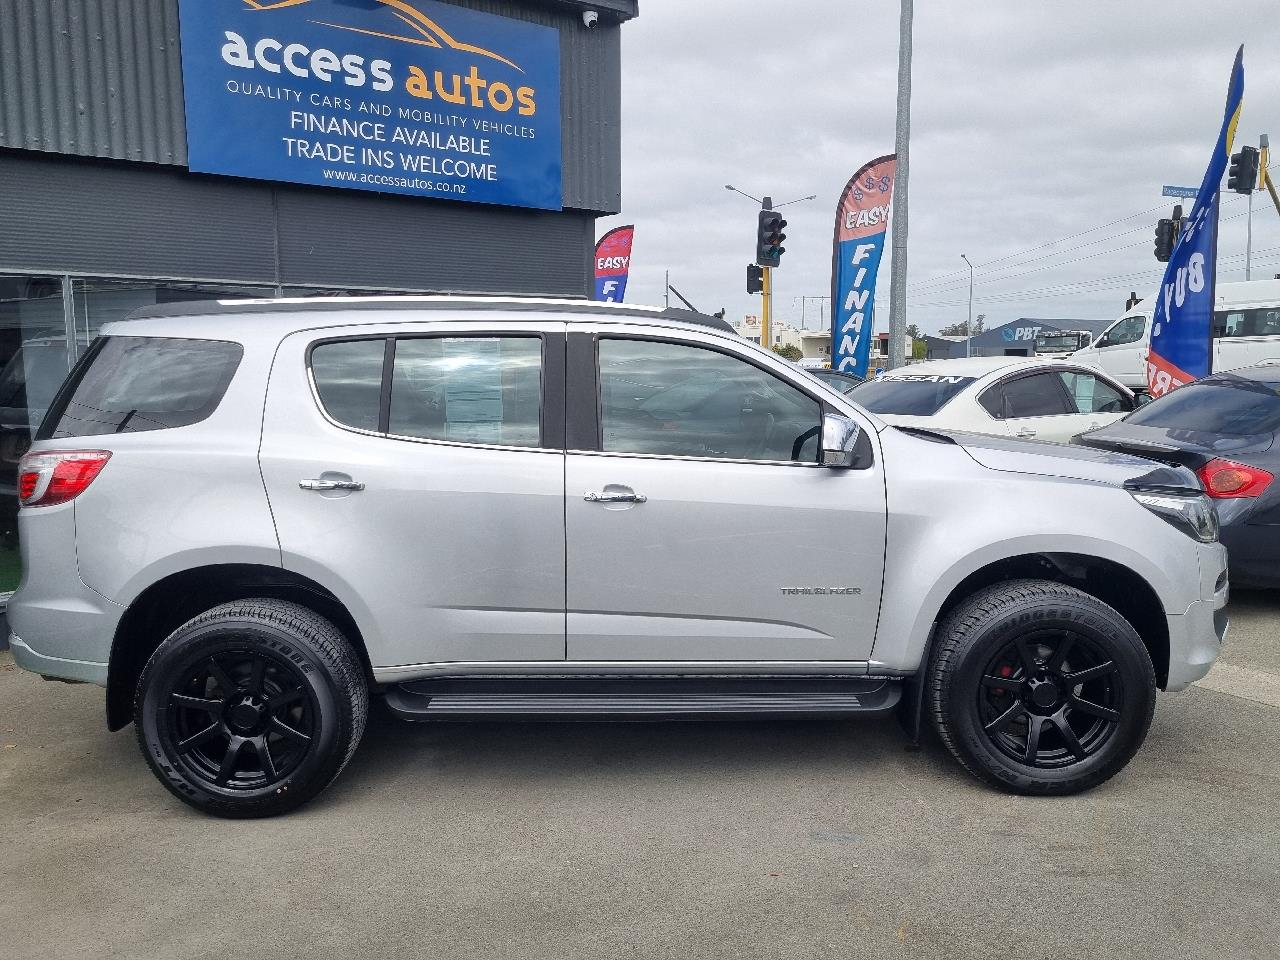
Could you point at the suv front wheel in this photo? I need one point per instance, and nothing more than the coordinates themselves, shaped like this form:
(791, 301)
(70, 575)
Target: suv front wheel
(252, 708)
(1040, 688)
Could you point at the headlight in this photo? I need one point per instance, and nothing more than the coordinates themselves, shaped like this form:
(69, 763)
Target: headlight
(1193, 514)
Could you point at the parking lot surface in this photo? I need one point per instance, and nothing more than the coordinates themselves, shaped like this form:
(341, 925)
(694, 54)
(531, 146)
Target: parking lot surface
(764, 839)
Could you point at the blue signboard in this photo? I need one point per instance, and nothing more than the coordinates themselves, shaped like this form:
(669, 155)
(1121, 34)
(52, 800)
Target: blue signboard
(1184, 193)
(862, 217)
(400, 96)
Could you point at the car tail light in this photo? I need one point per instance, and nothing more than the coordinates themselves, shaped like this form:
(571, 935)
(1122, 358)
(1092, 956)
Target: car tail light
(1224, 479)
(57, 476)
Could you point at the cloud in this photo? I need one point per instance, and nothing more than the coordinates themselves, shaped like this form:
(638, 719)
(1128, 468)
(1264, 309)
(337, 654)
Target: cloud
(1032, 122)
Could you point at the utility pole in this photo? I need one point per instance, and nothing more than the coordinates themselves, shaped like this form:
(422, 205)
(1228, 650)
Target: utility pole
(667, 292)
(968, 327)
(898, 288)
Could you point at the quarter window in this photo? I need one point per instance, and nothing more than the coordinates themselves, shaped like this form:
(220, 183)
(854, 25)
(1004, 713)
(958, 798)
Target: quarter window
(1258, 322)
(677, 400)
(348, 377)
(468, 389)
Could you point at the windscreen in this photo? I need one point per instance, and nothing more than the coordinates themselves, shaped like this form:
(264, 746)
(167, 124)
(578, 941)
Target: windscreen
(136, 384)
(1233, 405)
(915, 395)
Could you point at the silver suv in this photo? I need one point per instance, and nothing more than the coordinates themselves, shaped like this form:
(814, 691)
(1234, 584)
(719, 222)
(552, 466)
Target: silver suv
(243, 519)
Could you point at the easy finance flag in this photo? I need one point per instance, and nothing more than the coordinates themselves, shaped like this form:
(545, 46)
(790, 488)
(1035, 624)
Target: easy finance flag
(862, 218)
(613, 263)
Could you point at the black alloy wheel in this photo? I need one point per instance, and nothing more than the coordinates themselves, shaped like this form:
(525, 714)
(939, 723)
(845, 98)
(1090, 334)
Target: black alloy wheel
(252, 708)
(1040, 688)
(240, 719)
(1051, 698)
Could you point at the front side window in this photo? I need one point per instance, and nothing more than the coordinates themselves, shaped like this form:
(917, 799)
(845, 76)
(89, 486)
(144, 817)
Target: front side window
(675, 400)
(1091, 395)
(1128, 330)
(137, 384)
(468, 390)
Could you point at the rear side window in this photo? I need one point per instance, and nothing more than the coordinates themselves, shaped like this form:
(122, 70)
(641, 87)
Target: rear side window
(468, 390)
(1232, 405)
(137, 384)
(1039, 395)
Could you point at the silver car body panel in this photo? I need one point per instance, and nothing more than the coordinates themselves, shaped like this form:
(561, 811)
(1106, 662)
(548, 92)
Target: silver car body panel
(461, 559)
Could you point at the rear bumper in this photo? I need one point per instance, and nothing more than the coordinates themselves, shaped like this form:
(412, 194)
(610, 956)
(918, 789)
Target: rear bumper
(83, 670)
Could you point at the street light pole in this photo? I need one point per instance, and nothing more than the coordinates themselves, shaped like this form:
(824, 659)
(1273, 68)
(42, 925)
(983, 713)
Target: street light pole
(968, 327)
(898, 287)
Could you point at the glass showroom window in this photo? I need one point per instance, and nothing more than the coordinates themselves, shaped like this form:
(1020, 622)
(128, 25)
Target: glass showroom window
(33, 363)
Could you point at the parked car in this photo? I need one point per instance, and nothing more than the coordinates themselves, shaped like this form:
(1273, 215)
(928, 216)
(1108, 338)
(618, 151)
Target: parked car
(1224, 427)
(245, 520)
(1246, 330)
(1051, 399)
(844, 382)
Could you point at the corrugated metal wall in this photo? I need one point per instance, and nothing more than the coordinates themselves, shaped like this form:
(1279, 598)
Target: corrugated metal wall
(103, 78)
(90, 218)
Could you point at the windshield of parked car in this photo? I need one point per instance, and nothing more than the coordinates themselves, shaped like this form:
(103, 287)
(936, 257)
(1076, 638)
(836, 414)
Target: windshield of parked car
(1225, 404)
(909, 394)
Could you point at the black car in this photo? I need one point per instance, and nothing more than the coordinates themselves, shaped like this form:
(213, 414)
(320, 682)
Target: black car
(1224, 428)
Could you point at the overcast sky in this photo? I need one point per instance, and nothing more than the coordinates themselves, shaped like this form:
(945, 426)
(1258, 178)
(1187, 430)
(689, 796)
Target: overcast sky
(1036, 126)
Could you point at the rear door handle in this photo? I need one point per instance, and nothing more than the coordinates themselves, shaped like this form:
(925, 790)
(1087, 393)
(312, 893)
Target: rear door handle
(323, 485)
(615, 497)
(1026, 432)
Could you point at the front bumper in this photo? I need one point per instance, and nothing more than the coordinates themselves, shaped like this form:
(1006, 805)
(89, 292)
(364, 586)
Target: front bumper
(1197, 635)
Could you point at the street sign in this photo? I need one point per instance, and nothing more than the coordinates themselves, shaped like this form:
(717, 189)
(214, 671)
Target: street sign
(1185, 192)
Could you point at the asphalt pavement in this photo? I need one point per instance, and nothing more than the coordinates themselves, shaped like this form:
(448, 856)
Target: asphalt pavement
(789, 839)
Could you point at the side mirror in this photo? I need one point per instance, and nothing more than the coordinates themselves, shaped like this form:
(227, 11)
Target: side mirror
(839, 441)
(1141, 399)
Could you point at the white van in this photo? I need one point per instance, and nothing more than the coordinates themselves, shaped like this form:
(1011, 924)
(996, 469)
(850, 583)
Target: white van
(1246, 330)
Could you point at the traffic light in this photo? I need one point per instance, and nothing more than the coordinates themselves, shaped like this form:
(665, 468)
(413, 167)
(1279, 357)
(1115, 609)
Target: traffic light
(755, 278)
(769, 237)
(1242, 175)
(1164, 240)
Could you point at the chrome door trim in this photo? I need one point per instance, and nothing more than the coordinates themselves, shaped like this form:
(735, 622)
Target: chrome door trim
(622, 668)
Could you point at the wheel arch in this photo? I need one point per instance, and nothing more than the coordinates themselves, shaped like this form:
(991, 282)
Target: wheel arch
(1112, 582)
(173, 600)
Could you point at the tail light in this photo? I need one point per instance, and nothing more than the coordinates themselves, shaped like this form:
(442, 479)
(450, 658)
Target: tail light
(1224, 479)
(57, 476)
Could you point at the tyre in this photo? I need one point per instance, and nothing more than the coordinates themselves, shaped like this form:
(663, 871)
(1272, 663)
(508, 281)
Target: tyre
(1040, 688)
(251, 709)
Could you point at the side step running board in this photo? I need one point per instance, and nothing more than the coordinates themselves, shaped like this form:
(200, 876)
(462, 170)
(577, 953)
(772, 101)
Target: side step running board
(665, 701)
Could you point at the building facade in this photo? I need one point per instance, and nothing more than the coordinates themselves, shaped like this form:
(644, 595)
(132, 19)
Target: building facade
(161, 150)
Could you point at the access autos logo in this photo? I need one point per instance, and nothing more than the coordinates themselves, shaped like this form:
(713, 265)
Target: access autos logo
(402, 22)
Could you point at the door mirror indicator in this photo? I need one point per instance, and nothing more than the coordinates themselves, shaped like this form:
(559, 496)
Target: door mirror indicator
(839, 441)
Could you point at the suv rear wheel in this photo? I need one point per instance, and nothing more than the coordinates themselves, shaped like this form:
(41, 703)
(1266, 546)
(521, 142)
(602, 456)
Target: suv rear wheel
(252, 708)
(1040, 688)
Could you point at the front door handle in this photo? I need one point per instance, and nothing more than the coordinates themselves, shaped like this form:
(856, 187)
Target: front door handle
(1026, 432)
(615, 497)
(323, 485)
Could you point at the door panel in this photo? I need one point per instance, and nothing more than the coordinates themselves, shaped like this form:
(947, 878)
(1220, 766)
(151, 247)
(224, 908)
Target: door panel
(451, 551)
(699, 569)
(706, 530)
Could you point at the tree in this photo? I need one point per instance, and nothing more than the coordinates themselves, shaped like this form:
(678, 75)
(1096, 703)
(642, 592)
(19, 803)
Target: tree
(788, 351)
(979, 324)
(953, 330)
(919, 350)
(913, 331)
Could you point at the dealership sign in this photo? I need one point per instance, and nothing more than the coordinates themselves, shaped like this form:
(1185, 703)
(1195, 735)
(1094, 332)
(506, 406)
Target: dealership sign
(400, 96)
